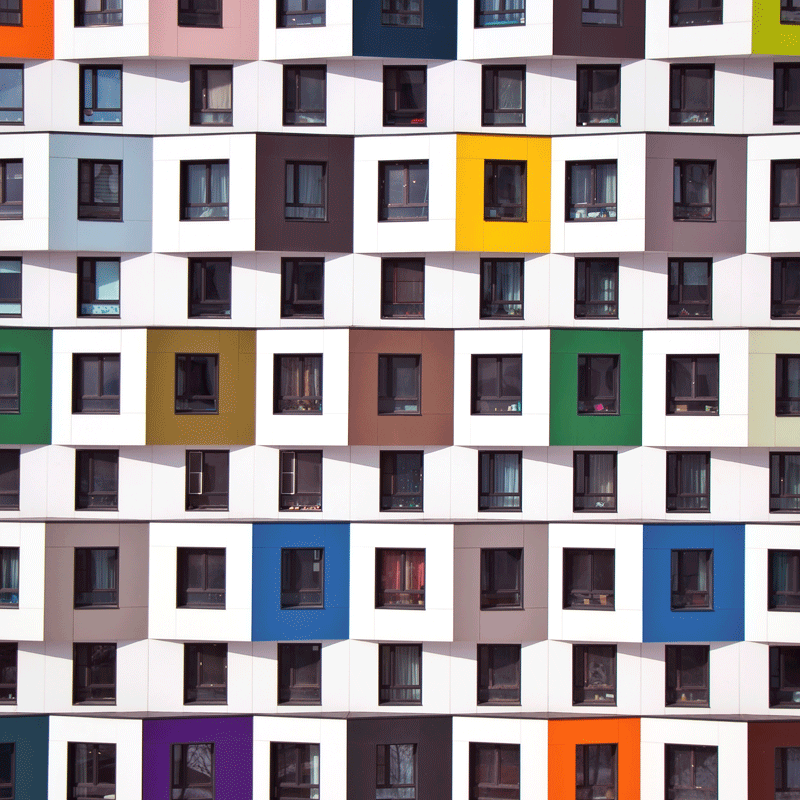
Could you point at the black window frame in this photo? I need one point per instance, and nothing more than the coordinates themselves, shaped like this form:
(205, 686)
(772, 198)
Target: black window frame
(397, 114)
(776, 207)
(587, 681)
(202, 283)
(581, 469)
(10, 209)
(491, 108)
(91, 210)
(588, 398)
(293, 304)
(777, 483)
(302, 215)
(393, 288)
(594, 596)
(295, 563)
(184, 364)
(10, 402)
(405, 597)
(393, 11)
(678, 100)
(90, 498)
(290, 690)
(209, 203)
(11, 110)
(782, 79)
(585, 754)
(388, 399)
(393, 499)
(216, 500)
(294, 112)
(679, 302)
(501, 399)
(684, 595)
(11, 286)
(179, 754)
(405, 791)
(388, 681)
(9, 652)
(678, 691)
(299, 754)
(86, 594)
(305, 16)
(86, 689)
(680, 791)
(678, 501)
(88, 110)
(782, 306)
(491, 307)
(602, 211)
(786, 789)
(91, 756)
(385, 208)
(502, 756)
(786, 403)
(491, 690)
(589, 7)
(197, 690)
(790, 12)
(505, 12)
(693, 402)
(494, 210)
(293, 465)
(9, 594)
(783, 595)
(586, 115)
(8, 754)
(11, 14)
(488, 494)
(87, 287)
(284, 403)
(493, 597)
(9, 480)
(190, 16)
(202, 595)
(682, 208)
(585, 306)
(679, 18)
(198, 89)
(783, 690)
(106, 17)
(80, 396)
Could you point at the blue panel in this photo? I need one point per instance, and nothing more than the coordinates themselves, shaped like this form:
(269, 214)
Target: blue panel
(30, 736)
(726, 622)
(273, 624)
(435, 39)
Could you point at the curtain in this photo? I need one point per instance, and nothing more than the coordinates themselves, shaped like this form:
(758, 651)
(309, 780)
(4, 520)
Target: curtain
(693, 480)
(581, 184)
(218, 90)
(606, 183)
(601, 474)
(103, 573)
(509, 90)
(311, 189)
(10, 575)
(792, 768)
(697, 90)
(198, 187)
(506, 479)
(106, 183)
(406, 669)
(602, 284)
(219, 184)
(508, 281)
(391, 572)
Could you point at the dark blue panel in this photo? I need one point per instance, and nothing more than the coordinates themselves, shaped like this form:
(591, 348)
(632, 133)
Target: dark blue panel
(30, 736)
(436, 39)
(726, 622)
(271, 623)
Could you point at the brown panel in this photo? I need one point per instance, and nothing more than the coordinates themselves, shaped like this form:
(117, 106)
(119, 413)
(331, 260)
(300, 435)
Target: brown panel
(572, 38)
(59, 568)
(762, 739)
(273, 230)
(434, 426)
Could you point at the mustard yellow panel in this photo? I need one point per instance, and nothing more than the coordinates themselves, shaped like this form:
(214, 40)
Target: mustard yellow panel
(769, 36)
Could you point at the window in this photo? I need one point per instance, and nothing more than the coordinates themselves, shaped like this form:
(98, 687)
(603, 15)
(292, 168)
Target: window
(7, 770)
(8, 690)
(301, 480)
(304, 94)
(298, 384)
(785, 288)
(11, 94)
(693, 385)
(201, 577)
(91, 13)
(787, 386)
(302, 577)
(501, 578)
(787, 773)
(9, 577)
(101, 95)
(784, 482)
(503, 95)
(785, 190)
(211, 90)
(98, 287)
(501, 288)
(299, 674)
(96, 577)
(589, 579)
(591, 191)
(403, 288)
(204, 190)
(401, 13)
(196, 383)
(99, 190)
(95, 383)
(200, 13)
(598, 385)
(399, 384)
(405, 95)
(784, 676)
(491, 13)
(784, 580)
(403, 191)
(494, 771)
(10, 188)
(207, 480)
(205, 673)
(499, 674)
(92, 770)
(10, 287)
(786, 97)
(399, 578)
(10, 12)
(689, 288)
(500, 481)
(300, 13)
(598, 95)
(692, 580)
(688, 482)
(401, 481)
(396, 772)
(594, 677)
(505, 195)
(9, 481)
(306, 191)
(790, 12)
(295, 771)
(691, 94)
(192, 771)
(497, 384)
(94, 674)
(595, 481)
(210, 288)
(9, 383)
(400, 670)
(601, 12)
(694, 191)
(691, 772)
(687, 675)
(302, 287)
(595, 771)
(596, 288)
(695, 12)
(96, 479)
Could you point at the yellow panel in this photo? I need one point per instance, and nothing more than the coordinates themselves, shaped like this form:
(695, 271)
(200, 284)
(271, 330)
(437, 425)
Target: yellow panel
(475, 234)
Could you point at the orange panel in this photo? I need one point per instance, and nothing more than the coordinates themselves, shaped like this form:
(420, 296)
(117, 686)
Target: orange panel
(34, 39)
(563, 735)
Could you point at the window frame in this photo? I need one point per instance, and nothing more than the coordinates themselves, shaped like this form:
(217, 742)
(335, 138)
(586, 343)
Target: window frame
(11, 299)
(490, 94)
(791, 594)
(87, 282)
(582, 680)
(489, 290)
(592, 9)
(602, 211)
(302, 752)
(677, 306)
(387, 386)
(303, 404)
(486, 494)
(209, 203)
(406, 597)
(296, 182)
(11, 752)
(21, 109)
(677, 95)
(394, 8)
(683, 18)
(193, 655)
(79, 395)
(92, 755)
(681, 182)
(781, 307)
(291, 288)
(83, 584)
(679, 581)
(292, 90)
(15, 368)
(506, 8)
(178, 764)
(584, 474)
(88, 691)
(188, 596)
(9, 595)
(199, 304)
(675, 688)
(303, 13)
(92, 109)
(784, 791)
(292, 572)
(81, 13)
(500, 399)
(288, 653)
(386, 689)
(205, 19)
(585, 307)
(394, 500)
(595, 597)
(92, 211)
(676, 792)
(675, 469)
(383, 759)
(9, 661)
(582, 756)
(294, 471)
(487, 790)
(191, 476)
(693, 399)
(777, 476)
(585, 398)
(384, 207)
(491, 192)
(11, 209)
(183, 362)
(775, 204)
(392, 288)
(9, 465)
(85, 468)
(198, 73)
(393, 115)
(487, 684)
(583, 115)
(790, 12)
(781, 115)
(493, 598)
(9, 11)
(779, 683)
(786, 404)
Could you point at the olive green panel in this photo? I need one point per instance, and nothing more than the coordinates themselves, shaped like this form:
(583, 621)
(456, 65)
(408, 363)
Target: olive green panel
(769, 36)
(32, 424)
(235, 422)
(566, 427)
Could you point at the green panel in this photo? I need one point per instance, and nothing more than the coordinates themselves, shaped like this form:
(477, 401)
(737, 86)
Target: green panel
(32, 424)
(566, 427)
(769, 36)
(31, 754)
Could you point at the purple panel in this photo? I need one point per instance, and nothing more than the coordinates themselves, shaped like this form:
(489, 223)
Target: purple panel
(233, 754)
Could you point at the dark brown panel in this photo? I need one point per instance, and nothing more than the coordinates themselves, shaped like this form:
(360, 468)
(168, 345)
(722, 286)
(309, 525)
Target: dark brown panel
(434, 426)
(572, 38)
(762, 739)
(273, 230)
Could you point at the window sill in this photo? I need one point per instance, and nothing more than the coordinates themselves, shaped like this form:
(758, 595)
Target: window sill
(96, 606)
(589, 608)
(95, 702)
(482, 703)
(300, 703)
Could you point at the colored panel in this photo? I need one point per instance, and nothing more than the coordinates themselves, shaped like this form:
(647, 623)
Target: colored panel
(725, 623)
(572, 38)
(30, 736)
(566, 426)
(769, 36)
(34, 38)
(762, 739)
(475, 233)
(32, 424)
(235, 422)
(270, 621)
